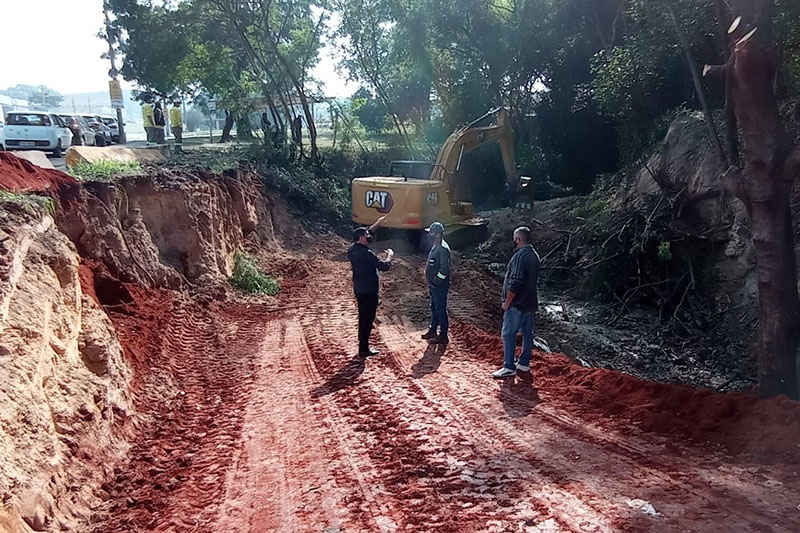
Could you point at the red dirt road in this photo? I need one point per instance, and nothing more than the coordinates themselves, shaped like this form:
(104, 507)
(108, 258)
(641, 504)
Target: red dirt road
(265, 421)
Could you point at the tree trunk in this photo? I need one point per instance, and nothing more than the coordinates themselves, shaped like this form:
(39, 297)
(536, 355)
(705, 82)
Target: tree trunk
(698, 84)
(731, 128)
(772, 163)
(226, 131)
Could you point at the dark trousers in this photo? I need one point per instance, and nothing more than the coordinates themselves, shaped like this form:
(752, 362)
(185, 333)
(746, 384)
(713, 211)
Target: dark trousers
(439, 309)
(367, 307)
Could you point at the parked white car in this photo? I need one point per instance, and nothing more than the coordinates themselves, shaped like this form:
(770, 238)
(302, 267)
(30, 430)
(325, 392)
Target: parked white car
(34, 130)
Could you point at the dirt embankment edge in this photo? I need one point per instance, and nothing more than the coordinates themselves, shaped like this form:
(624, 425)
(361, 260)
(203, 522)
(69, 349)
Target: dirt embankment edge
(70, 280)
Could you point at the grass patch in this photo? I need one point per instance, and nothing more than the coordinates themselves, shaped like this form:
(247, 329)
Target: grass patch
(217, 158)
(104, 170)
(30, 203)
(247, 277)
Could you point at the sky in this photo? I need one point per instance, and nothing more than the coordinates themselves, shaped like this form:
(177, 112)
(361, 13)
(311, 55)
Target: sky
(63, 52)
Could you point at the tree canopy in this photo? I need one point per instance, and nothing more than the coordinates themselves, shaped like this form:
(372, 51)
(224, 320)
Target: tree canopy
(590, 83)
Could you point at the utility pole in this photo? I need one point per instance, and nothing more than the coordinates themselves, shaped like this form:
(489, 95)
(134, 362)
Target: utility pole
(73, 107)
(111, 36)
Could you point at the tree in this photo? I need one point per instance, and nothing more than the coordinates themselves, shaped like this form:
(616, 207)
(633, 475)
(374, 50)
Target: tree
(367, 31)
(40, 98)
(280, 39)
(44, 99)
(153, 39)
(370, 111)
(764, 185)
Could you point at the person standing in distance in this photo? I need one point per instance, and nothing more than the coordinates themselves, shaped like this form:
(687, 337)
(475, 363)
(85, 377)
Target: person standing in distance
(176, 123)
(365, 282)
(148, 118)
(437, 274)
(520, 301)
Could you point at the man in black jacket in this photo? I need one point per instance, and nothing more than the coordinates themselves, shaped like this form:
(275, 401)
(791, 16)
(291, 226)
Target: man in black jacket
(520, 300)
(365, 283)
(437, 274)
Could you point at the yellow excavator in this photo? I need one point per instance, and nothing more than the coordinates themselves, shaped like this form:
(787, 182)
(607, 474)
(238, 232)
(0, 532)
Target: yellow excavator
(417, 193)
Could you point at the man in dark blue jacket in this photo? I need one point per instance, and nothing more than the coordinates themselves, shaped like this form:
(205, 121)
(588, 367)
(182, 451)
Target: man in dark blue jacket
(365, 283)
(520, 300)
(437, 274)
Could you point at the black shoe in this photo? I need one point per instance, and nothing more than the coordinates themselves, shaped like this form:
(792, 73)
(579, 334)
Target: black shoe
(430, 335)
(369, 352)
(439, 339)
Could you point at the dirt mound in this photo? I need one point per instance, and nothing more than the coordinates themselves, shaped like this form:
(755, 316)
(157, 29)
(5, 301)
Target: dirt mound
(766, 428)
(20, 175)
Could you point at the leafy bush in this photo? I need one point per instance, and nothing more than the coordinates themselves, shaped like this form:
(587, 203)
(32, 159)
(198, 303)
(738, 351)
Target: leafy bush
(247, 277)
(104, 170)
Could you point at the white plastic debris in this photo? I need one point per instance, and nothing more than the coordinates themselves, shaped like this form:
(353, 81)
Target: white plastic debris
(542, 344)
(643, 506)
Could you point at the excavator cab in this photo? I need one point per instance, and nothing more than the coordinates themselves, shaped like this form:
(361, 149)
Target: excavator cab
(418, 170)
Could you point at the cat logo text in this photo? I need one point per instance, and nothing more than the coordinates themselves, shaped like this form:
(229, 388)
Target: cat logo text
(380, 200)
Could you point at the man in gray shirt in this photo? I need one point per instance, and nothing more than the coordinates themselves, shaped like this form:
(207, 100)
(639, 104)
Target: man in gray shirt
(437, 274)
(520, 300)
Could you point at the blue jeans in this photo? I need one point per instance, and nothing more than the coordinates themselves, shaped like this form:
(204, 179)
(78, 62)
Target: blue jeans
(515, 320)
(439, 308)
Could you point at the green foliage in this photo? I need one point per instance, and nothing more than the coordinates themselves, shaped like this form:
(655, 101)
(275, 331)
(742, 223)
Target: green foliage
(371, 112)
(30, 203)
(665, 251)
(594, 211)
(104, 170)
(156, 42)
(247, 277)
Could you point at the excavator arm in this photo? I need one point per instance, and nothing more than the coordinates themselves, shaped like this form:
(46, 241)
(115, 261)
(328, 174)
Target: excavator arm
(469, 137)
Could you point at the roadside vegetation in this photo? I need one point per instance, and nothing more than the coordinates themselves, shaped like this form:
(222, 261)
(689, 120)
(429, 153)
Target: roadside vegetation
(249, 278)
(30, 203)
(104, 170)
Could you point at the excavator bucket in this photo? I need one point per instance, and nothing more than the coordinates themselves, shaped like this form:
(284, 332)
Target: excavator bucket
(466, 233)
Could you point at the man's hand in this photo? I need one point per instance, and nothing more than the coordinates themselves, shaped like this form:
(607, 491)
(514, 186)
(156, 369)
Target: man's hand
(507, 302)
(377, 222)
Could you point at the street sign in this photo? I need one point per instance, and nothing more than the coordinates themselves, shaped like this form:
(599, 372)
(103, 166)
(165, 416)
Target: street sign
(212, 104)
(115, 91)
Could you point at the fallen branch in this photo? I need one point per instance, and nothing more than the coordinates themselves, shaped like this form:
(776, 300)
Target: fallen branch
(628, 296)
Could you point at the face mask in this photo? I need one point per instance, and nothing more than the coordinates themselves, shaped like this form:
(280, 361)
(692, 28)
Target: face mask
(369, 238)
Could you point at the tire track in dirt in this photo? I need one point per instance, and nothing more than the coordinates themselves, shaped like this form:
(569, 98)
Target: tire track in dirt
(281, 428)
(286, 477)
(191, 399)
(626, 465)
(441, 447)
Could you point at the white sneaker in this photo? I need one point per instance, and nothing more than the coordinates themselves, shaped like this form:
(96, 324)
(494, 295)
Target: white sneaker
(504, 373)
(523, 368)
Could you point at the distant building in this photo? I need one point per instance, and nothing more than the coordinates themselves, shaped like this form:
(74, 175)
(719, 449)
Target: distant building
(9, 104)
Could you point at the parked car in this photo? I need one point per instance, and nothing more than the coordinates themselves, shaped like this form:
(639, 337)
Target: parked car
(112, 124)
(102, 132)
(35, 130)
(1, 133)
(82, 132)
